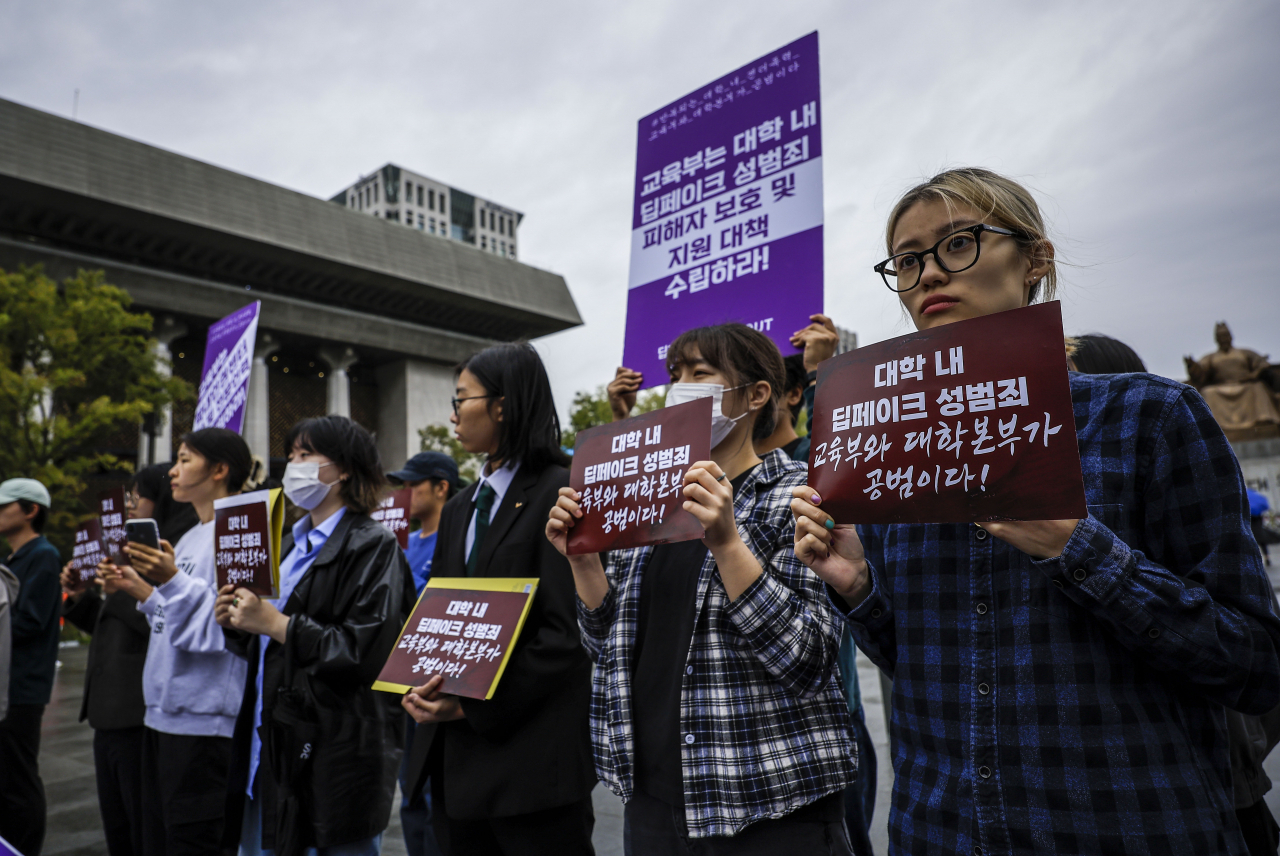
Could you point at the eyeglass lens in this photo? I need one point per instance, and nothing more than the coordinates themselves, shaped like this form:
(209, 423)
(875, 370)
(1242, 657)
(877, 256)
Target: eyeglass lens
(955, 253)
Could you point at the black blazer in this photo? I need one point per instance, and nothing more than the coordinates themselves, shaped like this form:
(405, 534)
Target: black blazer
(117, 653)
(529, 747)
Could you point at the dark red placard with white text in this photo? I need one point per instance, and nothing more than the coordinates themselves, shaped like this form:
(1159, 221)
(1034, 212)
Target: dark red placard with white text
(111, 517)
(393, 513)
(631, 477)
(967, 422)
(86, 553)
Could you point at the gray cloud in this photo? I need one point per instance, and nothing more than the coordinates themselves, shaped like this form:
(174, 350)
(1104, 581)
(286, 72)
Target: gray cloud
(1148, 129)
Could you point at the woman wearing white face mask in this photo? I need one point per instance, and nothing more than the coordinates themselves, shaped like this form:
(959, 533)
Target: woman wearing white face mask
(717, 714)
(320, 775)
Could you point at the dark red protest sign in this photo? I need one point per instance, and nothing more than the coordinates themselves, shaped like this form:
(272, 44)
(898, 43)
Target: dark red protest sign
(393, 513)
(631, 477)
(966, 422)
(111, 516)
(463, 629)
(86, 553)
(246, 531)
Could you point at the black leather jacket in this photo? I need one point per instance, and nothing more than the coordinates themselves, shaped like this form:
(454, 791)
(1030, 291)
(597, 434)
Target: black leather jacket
(346, 615)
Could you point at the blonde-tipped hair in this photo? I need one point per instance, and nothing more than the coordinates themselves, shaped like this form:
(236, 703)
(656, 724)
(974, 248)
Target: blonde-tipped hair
(997, 199)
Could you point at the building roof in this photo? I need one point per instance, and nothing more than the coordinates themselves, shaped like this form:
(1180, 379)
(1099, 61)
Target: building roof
(79, 189)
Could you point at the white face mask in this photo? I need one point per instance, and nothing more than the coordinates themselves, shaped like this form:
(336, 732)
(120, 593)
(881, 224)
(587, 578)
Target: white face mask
(303, 486)
(721, 425)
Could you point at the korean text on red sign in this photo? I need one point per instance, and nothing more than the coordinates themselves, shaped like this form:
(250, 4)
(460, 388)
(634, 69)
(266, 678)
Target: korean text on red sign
(966, 422)
(86, 553)
(461, 629)
(111, 517)
(393, 513)
(630, 476)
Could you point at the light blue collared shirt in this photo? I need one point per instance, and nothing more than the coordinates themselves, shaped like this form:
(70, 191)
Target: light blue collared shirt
(307, 543)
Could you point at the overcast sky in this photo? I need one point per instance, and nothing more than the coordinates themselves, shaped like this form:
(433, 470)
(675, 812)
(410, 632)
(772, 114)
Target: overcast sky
(1148, 130)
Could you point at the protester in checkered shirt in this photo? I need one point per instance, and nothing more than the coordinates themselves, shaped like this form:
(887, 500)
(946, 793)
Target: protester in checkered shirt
(1059, 687)
(717, 712)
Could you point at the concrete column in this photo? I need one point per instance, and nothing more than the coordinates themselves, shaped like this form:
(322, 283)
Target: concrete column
(339, 360)
(411, 395)
(158, 446)
(257, 410)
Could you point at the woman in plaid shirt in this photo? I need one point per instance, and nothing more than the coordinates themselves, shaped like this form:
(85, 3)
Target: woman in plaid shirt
(1059, 687)
(717, 713)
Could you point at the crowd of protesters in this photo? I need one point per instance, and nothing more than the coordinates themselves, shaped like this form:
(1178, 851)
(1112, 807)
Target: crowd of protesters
(1103, 685)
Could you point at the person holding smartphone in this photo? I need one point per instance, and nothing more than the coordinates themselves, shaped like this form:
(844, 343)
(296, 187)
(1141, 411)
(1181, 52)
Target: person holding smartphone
(113, 702)
(191, 683)
(1058, 685)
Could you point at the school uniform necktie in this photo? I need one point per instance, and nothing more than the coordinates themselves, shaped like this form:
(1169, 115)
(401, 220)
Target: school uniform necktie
(484, 503)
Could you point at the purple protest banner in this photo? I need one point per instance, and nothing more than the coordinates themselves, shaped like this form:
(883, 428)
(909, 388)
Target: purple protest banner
(727, 224)
(224, 381)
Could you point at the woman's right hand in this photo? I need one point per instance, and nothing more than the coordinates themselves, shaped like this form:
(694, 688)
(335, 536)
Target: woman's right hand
(833, 552)
(222, 606)
(124, 578)
(564, 514)
(70, 579)
(622, 391)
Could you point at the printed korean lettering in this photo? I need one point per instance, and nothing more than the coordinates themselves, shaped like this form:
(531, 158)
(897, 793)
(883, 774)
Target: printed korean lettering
(954, 367)
(1045, 434)
(981, 436)
(1013, 392)
(981, 396)
(770, 129)
(783, 186)
(913, 406)
(796, 151)
(911, 367)
(745, 171)
(806, 117)
(769, 161)
(952, 400)
(744, 142)
(887, 374)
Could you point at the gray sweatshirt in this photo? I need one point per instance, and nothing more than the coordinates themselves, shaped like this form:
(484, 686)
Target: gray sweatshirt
(191, 683)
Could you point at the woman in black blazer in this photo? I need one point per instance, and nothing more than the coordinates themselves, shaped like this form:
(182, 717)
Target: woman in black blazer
(513, 774)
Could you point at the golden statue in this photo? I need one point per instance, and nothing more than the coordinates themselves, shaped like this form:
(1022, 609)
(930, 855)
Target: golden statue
(1233, 382)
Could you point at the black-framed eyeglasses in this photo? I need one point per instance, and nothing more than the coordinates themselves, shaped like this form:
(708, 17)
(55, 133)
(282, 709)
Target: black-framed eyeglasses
(956, 252)
(456, 401)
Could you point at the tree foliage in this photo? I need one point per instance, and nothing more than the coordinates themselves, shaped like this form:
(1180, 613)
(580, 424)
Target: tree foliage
(438, 438)
(76, 369)
(592, 409)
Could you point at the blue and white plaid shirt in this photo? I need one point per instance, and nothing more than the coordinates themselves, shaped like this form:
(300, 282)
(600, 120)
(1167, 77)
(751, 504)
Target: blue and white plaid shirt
(1074, 705)
(765, 724)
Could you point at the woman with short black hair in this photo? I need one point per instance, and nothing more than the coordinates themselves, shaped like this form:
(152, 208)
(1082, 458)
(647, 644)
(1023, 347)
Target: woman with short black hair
(316, 749)
(511, 774)
(191, 682)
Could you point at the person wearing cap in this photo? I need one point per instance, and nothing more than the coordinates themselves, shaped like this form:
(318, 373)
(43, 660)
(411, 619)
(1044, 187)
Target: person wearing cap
(24, 507)
(433, 477)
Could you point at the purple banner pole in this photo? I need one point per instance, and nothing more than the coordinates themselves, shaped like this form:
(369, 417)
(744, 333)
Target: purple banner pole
(727, 223)
(224, 380)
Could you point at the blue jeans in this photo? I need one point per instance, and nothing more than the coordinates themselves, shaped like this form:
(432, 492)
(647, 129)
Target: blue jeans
(415, 808)
(251, 838)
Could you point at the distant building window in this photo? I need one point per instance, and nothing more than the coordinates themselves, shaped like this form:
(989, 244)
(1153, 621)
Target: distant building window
(419, 195)
(408, 192)
(431, 200)
(375, 192)
(422, 222)
(483, 245)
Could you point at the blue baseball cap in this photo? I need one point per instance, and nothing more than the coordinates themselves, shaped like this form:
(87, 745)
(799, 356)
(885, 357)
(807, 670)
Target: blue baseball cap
(28, 489)
(428, 465)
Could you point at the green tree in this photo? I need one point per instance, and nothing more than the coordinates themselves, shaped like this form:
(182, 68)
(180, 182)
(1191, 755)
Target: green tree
(77, 368)
(438, 438)
(592, 409)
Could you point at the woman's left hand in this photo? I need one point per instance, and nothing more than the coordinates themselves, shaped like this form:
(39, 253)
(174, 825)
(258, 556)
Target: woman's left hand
(709, 497)
(252, 614)
(427, 704)
(1039, 539)
(156, 565)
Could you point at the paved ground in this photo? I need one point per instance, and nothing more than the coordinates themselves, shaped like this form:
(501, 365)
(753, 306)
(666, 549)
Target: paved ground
(75, 829)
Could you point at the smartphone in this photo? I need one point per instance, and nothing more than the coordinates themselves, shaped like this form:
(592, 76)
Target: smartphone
(143, 531)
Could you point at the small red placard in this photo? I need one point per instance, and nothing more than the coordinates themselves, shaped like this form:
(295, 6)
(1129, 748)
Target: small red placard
(111, 517)
(631, 478)
(463, 629)
(393, 513)
(967, 422)
(86, 553)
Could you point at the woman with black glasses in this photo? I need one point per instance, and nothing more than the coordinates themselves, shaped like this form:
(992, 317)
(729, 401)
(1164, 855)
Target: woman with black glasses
(511, 774)
(1058, 684)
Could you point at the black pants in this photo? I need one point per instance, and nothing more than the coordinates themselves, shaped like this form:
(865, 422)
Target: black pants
(184, 793)
(654, 828)
(1261, 834)
(117, 759)
(563, 831)
(22, 805)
